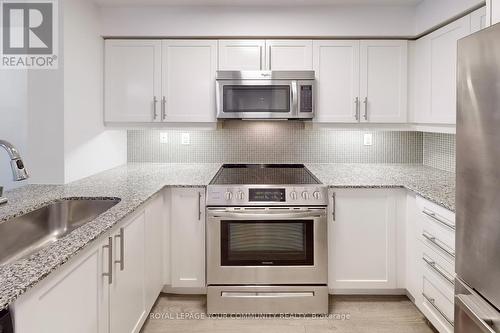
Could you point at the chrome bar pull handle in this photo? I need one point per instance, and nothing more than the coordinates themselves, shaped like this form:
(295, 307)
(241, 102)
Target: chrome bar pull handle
(155, 114)
(435, 267)
(434, 241)
(163, 108)
(356, 112)
(366, 108)
(432, 302)
(433, 216)
(109, 246)
(199, 206)
(122, 249)
(333, 206)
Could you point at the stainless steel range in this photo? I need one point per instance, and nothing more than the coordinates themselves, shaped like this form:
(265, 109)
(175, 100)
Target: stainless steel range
(266, 240)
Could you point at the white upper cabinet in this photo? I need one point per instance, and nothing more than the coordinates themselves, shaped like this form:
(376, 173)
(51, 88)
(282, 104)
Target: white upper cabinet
(478, 20)
(436, 74)
(242, 55)
(132, 80)
(384, 81)
(188, 80)
(336, 65)
(289, 55)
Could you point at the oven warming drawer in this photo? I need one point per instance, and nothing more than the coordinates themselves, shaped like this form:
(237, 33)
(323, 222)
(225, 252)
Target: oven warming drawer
(267, 299)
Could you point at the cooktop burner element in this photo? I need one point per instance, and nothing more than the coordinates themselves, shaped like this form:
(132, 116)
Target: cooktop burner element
(265, 185)
(264, 174)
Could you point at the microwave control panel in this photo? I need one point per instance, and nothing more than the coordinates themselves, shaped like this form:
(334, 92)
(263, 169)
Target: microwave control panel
(306, 98)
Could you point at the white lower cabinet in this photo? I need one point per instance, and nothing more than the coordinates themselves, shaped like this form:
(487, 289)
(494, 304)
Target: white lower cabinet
(75, 299)
(187, 238)
(100, 291)
(362, 239)
(127, 293)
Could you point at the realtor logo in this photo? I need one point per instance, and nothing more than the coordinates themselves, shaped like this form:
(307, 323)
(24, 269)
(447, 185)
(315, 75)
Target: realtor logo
(29, 34)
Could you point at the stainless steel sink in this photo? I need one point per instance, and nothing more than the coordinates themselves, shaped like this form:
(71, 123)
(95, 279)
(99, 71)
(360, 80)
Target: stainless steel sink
(26, 234)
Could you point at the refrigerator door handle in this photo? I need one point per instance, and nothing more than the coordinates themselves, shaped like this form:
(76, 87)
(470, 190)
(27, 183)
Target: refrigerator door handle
(474, 312)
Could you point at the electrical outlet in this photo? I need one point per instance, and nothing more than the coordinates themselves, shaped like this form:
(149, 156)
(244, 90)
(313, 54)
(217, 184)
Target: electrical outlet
(185, 139)
(368, 139)
(163, 137)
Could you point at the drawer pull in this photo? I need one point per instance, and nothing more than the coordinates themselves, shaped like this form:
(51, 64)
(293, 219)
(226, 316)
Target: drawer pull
(432, 302)
(434, 241)
(438, 270)
(433, 216)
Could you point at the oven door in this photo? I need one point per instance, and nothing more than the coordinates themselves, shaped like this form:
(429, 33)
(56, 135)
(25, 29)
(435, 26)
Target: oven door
(257, 99)
(266, 246)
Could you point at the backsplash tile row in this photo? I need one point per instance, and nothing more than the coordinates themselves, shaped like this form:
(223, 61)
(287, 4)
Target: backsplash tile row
(274, 142)
(439, 151)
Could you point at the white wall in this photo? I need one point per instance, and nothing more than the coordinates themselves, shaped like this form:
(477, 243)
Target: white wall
(430, 13)
(259, 21)
(88, 147)
(14, 119)
(495, 11)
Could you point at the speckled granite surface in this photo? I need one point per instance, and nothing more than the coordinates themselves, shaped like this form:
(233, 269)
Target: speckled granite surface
(137, 182)
(133, 184)
(433, 184)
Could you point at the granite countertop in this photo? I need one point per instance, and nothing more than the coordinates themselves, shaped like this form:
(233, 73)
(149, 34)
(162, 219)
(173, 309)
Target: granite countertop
(135, 183)
(435, 185)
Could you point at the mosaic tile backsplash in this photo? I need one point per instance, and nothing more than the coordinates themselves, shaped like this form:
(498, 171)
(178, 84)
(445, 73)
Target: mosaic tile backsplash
(274, 142)
(439, 151)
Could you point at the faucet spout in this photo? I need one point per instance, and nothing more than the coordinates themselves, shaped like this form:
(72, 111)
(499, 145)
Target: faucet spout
(16, 163)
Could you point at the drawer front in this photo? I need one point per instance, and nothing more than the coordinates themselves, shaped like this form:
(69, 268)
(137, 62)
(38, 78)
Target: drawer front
(436, 228)
(437, 306)
(439, 271)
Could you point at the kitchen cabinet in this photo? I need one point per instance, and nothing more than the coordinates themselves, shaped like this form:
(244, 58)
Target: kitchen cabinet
(478, 20)
(127, 309)
(436, 75)
(494, 6)
(154, 229)
(361, 81)
(72, 299)
(188, 80)
(242, 55)
(155, 81)
(384, 80)
(289, 55)
(132, 80)
(362, 239)
(187, 238)
(336, 66)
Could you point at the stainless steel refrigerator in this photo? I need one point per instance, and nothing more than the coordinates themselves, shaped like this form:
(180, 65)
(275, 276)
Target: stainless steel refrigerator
(477, 287)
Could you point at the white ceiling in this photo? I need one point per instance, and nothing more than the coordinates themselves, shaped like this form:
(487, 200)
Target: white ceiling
(252, 2)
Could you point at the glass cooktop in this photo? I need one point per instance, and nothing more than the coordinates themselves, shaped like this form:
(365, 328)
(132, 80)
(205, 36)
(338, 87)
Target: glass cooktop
(264, 174)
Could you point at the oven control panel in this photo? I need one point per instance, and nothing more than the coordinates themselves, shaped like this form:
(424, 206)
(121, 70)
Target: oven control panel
(220, 195)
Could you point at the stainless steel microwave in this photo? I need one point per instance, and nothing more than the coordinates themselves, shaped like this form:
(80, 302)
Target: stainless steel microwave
(265, 94)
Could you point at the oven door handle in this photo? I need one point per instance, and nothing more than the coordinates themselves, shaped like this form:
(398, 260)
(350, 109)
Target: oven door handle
(268, 215)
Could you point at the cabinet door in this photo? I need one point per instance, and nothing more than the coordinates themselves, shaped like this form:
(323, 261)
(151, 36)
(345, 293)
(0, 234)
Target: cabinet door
(127, 301)
(478, 20)
(441, 49)
(336, 64)
(188, 237)
(362, 240)
(289, 55)
(242, 55)
(188, 83)
(153, 259)
(132, 80)
(495, 11)
(73, 299)
(384, 81)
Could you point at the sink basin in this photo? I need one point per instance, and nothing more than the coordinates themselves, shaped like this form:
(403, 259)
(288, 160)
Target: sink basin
(26, 234)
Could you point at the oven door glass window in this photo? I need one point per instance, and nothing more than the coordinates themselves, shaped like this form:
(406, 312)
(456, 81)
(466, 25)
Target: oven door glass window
(267, 243)
(241, 98)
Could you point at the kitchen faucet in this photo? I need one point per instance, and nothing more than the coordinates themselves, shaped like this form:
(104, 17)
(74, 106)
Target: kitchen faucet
(16, 164)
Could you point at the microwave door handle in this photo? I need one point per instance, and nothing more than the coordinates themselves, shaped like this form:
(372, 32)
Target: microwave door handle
(295, 99)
